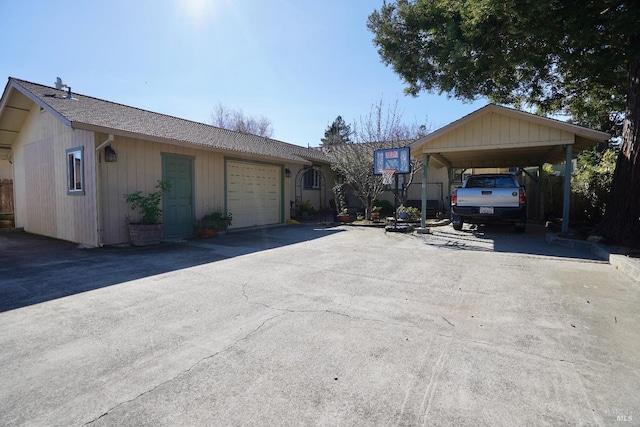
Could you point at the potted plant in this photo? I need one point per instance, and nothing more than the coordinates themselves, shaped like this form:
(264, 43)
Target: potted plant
(340, 203)
(6, 221)
(343, 216)
(205, 229)
(306, 208)
(216, 221)
(148, 230)
(375, 212)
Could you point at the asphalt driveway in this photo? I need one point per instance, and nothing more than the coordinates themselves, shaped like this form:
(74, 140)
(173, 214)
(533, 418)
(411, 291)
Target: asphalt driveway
(315, 325)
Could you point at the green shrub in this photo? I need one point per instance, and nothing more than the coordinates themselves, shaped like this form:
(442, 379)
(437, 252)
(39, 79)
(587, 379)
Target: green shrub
(414, 214)
(306, 206)
(217, 219)
(386, 208)
(148, 206)
(591, 181)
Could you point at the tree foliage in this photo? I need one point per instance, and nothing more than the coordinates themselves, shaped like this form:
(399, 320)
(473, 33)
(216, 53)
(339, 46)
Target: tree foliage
(236, 120)
(337, 133)
(576, 57)
(591, 180)
(549, 54)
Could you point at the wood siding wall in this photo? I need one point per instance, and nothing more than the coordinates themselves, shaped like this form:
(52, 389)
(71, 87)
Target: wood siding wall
(495, 130)
(139, 167)
(42, 205)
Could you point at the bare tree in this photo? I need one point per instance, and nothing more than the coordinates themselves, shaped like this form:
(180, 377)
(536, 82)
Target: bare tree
(382, 128)
(236, 120)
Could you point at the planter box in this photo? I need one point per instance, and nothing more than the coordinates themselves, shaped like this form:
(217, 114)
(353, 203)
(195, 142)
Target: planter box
(145, 234)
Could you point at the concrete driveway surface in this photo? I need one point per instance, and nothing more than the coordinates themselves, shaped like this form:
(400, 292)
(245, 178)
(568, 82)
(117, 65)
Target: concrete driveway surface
(314, 325)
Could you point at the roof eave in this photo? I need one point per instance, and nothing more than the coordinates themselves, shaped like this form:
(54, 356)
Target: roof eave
(170, 141)
(14, 85)
(591, 134)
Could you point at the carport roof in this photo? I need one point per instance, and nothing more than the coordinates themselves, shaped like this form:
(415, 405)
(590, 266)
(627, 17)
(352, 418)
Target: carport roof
(497, 136)
(98, 115)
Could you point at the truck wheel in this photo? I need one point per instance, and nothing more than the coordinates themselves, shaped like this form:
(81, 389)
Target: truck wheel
(456, 221)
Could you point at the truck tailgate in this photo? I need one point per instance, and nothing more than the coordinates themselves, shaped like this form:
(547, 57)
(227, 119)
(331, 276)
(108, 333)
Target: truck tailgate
(496, 197)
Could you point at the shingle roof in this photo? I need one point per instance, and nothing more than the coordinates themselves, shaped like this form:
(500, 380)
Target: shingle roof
(84, 110)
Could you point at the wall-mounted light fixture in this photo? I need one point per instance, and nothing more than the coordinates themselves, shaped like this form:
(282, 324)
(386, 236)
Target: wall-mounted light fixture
(287, 173)
(110, 154)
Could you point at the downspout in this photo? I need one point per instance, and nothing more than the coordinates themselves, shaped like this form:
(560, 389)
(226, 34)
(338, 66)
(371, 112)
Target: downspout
(109, 140)
(99, 218)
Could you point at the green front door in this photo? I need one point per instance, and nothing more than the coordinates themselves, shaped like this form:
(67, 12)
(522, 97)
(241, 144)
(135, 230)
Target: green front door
(177, 203)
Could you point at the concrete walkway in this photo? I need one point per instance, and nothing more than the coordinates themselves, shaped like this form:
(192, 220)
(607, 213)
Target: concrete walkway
(307, 325)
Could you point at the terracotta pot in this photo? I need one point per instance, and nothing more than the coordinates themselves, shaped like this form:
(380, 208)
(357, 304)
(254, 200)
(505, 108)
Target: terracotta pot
(343, 218)
(204, 233)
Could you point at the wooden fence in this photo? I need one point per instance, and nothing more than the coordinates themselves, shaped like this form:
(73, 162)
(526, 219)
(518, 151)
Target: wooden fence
(6, 196)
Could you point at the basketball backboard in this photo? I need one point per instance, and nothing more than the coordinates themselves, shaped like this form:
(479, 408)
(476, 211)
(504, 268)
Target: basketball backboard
(392, 158)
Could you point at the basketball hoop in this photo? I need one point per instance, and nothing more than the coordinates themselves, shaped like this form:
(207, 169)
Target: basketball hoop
(387, 176)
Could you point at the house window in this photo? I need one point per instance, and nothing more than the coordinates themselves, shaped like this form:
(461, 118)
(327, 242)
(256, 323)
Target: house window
(75, 170)
(312, 179)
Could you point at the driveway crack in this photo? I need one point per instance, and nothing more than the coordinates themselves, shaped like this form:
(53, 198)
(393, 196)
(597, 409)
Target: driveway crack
(339, 313)
(211, 356)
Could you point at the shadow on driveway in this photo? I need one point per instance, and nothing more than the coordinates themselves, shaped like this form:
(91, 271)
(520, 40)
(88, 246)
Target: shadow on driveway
(501, 238)
(35, 269)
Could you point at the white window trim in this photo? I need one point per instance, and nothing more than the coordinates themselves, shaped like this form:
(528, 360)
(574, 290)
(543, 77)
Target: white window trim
(316, 180)
(75, 171)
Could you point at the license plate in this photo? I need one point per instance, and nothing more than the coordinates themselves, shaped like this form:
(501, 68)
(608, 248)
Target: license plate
(486, 210)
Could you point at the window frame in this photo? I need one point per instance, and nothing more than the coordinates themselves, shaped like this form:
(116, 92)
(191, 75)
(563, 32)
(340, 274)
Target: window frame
(75, 171)
(314, 180)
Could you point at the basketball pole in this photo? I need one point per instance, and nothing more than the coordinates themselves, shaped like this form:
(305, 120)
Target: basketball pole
(395, 217)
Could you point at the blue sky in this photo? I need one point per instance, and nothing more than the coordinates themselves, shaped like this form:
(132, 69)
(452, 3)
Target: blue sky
(299, 63)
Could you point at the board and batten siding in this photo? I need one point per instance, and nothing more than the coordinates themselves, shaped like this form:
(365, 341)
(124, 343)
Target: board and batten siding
(138, 168)
(494, 131)
(40, 186)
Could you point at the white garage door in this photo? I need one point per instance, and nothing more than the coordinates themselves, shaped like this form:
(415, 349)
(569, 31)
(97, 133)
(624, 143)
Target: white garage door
(253, 193)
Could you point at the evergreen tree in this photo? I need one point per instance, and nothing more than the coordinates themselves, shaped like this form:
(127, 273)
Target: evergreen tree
(337, 132)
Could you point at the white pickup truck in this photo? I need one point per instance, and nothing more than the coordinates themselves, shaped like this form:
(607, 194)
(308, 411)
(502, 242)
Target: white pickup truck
(489, 197)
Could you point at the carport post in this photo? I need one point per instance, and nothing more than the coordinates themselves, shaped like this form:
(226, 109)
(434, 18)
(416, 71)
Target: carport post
(567, 189)
(539, 194)
(423, 215)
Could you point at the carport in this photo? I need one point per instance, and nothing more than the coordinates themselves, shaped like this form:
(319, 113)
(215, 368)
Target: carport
(501, 137)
